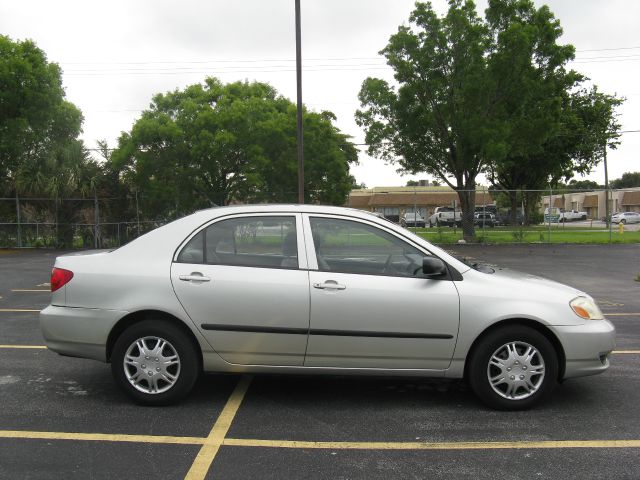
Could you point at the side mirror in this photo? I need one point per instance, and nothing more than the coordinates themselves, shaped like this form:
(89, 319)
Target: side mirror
(433, 267)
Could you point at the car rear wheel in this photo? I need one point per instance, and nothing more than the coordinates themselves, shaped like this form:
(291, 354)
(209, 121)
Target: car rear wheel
(154, 362)
(513, 368)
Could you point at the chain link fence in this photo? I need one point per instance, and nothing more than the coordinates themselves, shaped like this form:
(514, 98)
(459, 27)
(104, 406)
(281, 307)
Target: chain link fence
(555, 217)
(71, 222)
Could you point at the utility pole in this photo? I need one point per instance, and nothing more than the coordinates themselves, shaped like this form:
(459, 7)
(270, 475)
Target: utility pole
(96, 223)
(137, 212)
(19, 231)
(299, 90)
(606, 192)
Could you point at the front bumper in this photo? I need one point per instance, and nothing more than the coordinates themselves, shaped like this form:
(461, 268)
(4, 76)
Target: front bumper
(78, 332)
(586, 347)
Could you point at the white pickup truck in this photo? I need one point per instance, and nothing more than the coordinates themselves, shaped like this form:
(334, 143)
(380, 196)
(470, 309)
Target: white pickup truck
(561, 215)
(445, 216)
(571, 215)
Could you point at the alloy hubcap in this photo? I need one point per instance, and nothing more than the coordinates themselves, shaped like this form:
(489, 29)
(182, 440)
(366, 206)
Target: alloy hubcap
(152, 365)
(516, 370)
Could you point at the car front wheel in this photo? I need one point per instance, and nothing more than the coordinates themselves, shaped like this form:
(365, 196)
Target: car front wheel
(155, 363)
(513, 368)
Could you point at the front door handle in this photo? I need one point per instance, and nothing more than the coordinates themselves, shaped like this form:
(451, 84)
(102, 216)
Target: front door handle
(194, 277)
(329, 285)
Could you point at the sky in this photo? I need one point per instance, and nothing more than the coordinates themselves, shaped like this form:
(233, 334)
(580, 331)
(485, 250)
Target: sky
(116, 55)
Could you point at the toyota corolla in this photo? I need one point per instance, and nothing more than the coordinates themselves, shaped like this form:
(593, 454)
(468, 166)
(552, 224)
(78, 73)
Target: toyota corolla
(317, 290)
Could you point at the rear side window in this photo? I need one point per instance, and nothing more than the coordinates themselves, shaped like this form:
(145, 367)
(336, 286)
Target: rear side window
(193, 252)
(269, 242)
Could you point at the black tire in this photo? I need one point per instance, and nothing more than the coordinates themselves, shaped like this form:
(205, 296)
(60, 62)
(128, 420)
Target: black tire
(494, 344)
(623, 221)
(173, 382)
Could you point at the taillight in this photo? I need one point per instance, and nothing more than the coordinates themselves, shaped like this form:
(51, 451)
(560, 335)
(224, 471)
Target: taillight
(59, 278)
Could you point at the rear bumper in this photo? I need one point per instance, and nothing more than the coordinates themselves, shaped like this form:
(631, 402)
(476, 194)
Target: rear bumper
(586, 347)
(78, 332)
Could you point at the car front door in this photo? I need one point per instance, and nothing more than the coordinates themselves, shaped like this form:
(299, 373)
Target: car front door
(243, 282)
(371, 305)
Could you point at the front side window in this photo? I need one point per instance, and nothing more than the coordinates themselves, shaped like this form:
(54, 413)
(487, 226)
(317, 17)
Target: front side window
(347, 246)
(269, 242)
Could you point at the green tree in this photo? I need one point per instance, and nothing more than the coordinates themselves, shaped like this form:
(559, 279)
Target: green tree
(214, 143)
(438, 119)
(628, 180)
(65, 175)
(586, 123)
(35, 118)
(480, 95)
(581, 185)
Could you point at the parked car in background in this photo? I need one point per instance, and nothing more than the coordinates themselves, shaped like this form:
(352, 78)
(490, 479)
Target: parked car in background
(397, 219)
(556, 214)
(484, 220)
(315, 289)
(626, 217)
(414, 219)
(445, 216)
(504, 218)
(571, 215)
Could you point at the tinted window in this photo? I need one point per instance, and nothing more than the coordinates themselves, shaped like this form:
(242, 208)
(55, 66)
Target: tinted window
(248, 241)
(353, 247)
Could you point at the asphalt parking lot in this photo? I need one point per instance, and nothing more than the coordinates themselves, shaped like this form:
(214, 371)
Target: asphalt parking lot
(65, 418)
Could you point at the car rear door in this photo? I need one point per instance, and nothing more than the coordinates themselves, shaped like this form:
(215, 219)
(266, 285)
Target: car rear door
(371, 307)
(243, 281)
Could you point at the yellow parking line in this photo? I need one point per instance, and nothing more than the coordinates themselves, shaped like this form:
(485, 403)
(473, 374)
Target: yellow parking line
(295, 444)
(236, 442)
(625, 352)
(30, 290)
(18, 310)
(101, 437)
(212, 444)
(621, 314)
(24, 346)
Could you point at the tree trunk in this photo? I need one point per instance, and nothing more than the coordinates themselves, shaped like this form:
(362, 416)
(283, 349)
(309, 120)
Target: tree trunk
(66, 217)
(513, 202)
(531, 200)
(467, 196)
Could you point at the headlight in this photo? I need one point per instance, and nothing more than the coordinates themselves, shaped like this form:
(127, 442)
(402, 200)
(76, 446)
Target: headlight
(586, 308)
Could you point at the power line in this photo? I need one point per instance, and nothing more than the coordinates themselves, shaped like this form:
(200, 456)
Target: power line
(354, 144)
(221, 66)
(620, 132)
(292, 60)
(608, 49)
(612, 57)
(258, 67)
(219, 71)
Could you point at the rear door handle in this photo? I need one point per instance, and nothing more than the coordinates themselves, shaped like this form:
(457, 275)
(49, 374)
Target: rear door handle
(194, 277)
(329, 285)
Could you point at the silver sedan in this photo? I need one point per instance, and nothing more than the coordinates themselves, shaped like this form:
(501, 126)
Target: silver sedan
(310, 289)
(626, 217)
